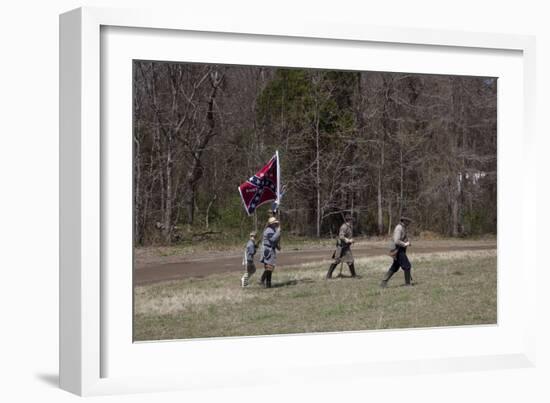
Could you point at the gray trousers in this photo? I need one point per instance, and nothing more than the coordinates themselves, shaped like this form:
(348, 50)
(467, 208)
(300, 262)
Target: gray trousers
(250, 270)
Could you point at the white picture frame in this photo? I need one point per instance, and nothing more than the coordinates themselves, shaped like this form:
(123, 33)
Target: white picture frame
(89, 344)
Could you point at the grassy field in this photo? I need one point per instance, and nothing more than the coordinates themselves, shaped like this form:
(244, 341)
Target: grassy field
(454, 288)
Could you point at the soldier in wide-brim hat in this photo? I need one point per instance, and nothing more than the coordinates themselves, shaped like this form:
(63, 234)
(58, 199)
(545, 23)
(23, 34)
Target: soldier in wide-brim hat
(270, 245)
(343, 254)
(398, 252)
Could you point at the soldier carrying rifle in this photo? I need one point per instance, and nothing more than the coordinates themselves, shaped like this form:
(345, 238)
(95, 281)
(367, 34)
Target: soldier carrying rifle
(343, 254)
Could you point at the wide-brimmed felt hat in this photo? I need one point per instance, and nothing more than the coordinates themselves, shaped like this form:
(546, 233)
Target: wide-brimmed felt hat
(272, 220)
(407, 219)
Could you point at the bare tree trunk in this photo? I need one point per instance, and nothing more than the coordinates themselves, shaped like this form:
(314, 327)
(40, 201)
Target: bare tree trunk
(454, 205)
(389, 216)
(318, 177)
(400, 181)
(189, 202)
(148, 197)
(208, 210)
(137, 138)
(160, 170)
(167, 221)
(379, 195)
(137, 188)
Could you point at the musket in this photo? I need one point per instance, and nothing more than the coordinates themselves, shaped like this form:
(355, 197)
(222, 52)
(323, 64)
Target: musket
(341, 267)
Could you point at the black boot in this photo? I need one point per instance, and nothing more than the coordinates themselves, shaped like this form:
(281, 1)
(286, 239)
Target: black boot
(386, 278)
(268, 279)
(262, 279)
(407, 277)
(330, 270)
(352, 271)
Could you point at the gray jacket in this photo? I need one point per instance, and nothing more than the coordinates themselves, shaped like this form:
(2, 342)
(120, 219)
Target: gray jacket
(270, 244)
(250, 250)
(345, 234)
(400, 235)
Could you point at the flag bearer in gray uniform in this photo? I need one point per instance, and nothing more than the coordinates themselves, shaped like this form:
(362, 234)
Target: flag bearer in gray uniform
(343, 247)
(270, 244)
(248, 260)
(399, 253)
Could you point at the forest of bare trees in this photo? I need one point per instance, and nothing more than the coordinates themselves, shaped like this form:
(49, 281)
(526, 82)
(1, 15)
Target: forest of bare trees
(377, 144)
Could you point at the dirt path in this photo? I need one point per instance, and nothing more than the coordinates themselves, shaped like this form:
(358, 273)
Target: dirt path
(146, 273)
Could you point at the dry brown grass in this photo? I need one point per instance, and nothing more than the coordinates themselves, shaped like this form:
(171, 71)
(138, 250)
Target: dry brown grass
(453, 288)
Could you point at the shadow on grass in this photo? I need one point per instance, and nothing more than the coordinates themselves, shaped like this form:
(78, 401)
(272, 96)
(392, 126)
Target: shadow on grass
(291, 283)
(344, 276)
(400, 285)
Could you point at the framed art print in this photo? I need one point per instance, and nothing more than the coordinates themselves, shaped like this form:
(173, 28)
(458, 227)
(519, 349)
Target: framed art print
(232, 191)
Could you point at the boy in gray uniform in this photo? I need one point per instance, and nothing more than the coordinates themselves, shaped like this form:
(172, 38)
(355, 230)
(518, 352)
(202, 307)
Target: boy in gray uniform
(248, 259)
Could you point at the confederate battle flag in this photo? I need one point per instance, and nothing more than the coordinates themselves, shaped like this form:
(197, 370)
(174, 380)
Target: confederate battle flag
(263, 187)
